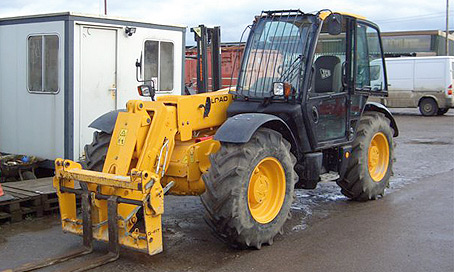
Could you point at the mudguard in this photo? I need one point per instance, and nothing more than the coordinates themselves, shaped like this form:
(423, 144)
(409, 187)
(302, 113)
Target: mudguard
(373, 106)
(106, 122)
(240, 128)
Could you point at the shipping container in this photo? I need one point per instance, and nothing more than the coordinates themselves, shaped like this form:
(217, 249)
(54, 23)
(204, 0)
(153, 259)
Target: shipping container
(231, 55)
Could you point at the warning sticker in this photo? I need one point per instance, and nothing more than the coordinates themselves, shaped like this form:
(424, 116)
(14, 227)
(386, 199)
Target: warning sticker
(122, 137)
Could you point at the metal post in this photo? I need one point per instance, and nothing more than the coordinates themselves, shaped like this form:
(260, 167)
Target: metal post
(447, 27)
(200, 36)
(105, 7)
(216, 73)
(87, 221)
(112, 212)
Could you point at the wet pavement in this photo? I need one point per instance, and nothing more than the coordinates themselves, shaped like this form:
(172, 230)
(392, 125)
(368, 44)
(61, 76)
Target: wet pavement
(410, 229)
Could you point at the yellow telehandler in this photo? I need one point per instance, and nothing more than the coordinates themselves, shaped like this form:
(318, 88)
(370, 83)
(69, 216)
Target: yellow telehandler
(299, 114)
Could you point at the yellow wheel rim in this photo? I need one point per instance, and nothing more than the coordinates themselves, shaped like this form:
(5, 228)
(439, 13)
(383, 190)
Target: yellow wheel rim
(266, 190)
(378, 157)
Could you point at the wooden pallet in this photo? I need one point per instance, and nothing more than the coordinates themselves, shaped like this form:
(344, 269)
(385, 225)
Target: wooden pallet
(23, 203)
(31, 197)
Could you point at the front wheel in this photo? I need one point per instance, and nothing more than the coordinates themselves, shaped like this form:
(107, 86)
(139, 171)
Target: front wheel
(249, 189)
(96, 152)
(370, 165)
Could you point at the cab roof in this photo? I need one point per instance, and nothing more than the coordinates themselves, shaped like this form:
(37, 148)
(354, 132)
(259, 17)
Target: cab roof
(324, 14)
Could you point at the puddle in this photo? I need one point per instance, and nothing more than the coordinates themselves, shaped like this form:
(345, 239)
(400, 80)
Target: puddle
(429, 142)
(319, 203)
(316, 203)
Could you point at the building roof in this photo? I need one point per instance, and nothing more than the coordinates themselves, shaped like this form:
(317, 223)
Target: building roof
(417, 32)
(40, 17)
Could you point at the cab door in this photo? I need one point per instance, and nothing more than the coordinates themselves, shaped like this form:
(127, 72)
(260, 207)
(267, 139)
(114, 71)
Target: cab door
(366, 80)
(328, 97)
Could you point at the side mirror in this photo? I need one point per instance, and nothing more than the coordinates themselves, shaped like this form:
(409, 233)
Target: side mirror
(139, 68)
(334, 24)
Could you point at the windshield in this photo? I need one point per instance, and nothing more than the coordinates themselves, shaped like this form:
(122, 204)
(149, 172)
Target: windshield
(274, 53)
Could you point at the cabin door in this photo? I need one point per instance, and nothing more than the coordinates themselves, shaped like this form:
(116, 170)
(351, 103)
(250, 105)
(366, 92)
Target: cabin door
(98, 78)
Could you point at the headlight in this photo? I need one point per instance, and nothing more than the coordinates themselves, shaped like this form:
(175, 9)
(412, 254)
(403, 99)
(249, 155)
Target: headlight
(278, 88)
(282, 89)
(144, 90)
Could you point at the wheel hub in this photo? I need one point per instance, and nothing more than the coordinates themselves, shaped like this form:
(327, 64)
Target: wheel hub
(378, 157)
(374, 156)
(266, 190)
(428, 107)
(260, 189)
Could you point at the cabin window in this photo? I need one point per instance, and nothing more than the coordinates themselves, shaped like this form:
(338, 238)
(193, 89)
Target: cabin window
(158, 64)
(43, 63)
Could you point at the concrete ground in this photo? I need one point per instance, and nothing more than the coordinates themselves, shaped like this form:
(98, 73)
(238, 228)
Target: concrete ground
(410, 229)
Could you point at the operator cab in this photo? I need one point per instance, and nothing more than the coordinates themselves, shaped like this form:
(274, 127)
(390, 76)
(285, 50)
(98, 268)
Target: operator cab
(314, 71)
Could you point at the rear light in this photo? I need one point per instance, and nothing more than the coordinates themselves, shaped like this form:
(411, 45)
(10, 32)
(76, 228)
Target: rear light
(449, 90)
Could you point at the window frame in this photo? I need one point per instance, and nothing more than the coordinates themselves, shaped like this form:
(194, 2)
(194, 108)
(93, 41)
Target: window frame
(158, 84)
(384, 91)
(42, 62)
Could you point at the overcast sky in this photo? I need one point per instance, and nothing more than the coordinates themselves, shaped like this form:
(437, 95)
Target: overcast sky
(234, 15)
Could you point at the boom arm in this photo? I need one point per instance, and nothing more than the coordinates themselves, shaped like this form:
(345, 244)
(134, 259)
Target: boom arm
(153, 144)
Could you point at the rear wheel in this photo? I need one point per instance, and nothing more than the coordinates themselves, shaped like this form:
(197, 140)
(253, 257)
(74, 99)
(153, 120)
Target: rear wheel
(371, 161)
(442, 111)
(249, 189)
(428, 107)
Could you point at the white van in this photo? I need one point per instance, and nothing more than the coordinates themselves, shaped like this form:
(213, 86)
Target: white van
(424, 82)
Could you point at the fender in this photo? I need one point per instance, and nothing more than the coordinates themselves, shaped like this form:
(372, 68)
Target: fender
(106, 122)
(373, 106)
(428, 96)
(239, 128)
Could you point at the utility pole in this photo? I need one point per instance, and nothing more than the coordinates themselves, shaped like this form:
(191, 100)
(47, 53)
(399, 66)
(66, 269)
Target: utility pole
(447, 27)
(105, 7)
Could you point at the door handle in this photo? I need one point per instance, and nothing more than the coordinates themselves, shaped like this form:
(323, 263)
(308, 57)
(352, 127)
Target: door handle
(113, 92)
(315, 115)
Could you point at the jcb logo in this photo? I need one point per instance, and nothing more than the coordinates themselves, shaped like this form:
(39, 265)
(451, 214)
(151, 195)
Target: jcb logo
(220, 99)
(325, 73)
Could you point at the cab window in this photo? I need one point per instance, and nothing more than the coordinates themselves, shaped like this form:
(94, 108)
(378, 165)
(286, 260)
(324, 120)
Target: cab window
(368, 59)
(329, 62)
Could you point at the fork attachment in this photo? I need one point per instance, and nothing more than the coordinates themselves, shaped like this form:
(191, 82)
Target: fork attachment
(114, 248)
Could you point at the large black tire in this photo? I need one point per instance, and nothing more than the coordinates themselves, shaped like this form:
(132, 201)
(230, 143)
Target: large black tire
(227, 181)
(357, 183)
(95, 153)
(428, 107)
(442, 111)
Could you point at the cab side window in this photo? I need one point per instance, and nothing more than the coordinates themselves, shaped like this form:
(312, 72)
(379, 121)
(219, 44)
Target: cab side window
(368, 59)
(329, 62)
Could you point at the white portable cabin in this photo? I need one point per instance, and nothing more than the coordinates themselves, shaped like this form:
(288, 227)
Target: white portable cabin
(59, 72)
